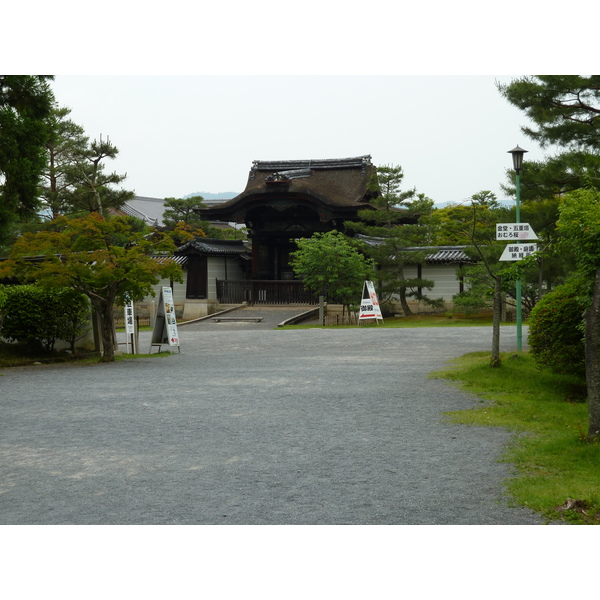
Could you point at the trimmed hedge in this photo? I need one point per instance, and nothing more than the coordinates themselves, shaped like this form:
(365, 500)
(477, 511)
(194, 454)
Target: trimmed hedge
(38, 317)
(556, 329)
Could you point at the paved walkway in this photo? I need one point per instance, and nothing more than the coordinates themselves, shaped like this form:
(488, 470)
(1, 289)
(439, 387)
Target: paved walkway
(255, 426)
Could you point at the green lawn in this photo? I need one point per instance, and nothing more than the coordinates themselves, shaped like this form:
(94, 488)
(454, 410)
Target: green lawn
(557, 470)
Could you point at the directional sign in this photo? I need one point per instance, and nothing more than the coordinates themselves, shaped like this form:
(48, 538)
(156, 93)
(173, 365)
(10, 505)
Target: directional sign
(515, 231)
(518, 251)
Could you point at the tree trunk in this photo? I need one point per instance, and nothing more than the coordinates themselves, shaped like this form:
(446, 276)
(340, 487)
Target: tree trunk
(104, 311)
(496, 361)
(592, 361)
(402, 294)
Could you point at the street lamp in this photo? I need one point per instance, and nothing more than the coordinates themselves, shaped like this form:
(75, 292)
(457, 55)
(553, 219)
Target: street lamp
(517, 156)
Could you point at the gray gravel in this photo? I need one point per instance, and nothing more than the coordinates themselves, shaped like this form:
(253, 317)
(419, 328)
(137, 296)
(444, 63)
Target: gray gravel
(249, 425)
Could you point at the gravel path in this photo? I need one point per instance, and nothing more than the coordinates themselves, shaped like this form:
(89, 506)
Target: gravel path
(249, 425)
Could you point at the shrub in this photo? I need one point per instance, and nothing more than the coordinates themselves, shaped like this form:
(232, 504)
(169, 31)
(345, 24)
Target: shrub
(556, 331)
(38, 317)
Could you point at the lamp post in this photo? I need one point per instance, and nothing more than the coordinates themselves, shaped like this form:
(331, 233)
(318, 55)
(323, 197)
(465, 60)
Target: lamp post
(517, 156)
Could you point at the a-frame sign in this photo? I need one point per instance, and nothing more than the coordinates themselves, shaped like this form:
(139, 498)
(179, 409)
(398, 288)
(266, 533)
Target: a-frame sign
(165, 326)
(369, 305)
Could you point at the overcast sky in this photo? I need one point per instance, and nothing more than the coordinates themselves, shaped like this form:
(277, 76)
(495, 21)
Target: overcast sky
(182, 134)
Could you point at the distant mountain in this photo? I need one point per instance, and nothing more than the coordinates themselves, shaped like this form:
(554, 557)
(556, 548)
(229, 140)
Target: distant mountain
(210, 196)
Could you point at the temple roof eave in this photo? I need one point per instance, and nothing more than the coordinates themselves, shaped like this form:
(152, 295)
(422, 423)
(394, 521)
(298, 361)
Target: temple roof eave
(248, 201)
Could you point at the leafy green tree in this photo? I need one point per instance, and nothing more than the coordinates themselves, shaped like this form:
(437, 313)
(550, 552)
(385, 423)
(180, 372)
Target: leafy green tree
(105, 259)
(331, 266)
(558, 174)
(25, 104)
(579, 223)
(564, 109)
(182, 219)
(395, 223)
(475, 226)
(565, 113)
(183, 210)
(66, 145)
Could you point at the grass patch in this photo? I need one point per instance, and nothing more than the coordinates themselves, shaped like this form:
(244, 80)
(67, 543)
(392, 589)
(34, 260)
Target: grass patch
(557, 469)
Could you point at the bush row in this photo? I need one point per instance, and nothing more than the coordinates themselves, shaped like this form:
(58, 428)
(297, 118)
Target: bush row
(556, 329)
(38, 317)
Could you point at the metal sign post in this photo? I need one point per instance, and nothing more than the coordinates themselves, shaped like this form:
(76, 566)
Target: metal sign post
(514, 252)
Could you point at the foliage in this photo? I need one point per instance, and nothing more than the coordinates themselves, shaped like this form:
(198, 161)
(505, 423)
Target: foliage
(25, 103)
(39, 317)
(579, 224)
(474, 226)
(93, 190)
(396, 223)
(558, 174)
(330, 266)
(564, 108)
(182, 219)
(556, 336)
(565, 111)
(183, 233)
(108, 260)
(183, 210)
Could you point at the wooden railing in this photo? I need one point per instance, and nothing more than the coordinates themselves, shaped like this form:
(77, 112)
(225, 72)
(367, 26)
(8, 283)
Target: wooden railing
(264, 292)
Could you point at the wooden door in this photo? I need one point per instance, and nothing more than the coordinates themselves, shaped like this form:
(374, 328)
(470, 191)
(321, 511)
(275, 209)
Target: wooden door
(196, 277)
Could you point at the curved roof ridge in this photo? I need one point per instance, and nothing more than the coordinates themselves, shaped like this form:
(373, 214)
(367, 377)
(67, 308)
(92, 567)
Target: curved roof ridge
(321, 163)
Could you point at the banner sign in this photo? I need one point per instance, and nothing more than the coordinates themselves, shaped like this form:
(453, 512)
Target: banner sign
(518, 251)
(165, 327)
(515, 231)
(369, 306)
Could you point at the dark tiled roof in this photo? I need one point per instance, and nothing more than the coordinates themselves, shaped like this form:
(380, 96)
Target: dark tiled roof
(212, 247)
(435, 254)
(341, 184)
(448, 254)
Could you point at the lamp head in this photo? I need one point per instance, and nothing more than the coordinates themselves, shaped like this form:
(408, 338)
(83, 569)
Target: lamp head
(517, 155)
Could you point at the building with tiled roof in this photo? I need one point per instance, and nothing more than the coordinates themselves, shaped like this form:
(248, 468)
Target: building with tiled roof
(287, 199)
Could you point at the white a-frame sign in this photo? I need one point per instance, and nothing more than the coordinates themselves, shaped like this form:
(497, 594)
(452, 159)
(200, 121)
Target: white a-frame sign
(165, 327)
(369, 305)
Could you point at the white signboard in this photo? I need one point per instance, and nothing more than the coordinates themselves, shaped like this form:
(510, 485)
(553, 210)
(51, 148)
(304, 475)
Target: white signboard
(165, 327)
(369, 305)
(129, 325)
(130, 339)
(515, 231)
(518, 251)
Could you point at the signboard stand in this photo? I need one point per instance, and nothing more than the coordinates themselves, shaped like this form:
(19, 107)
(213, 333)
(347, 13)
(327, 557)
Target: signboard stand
(369, 305)
(165, 325)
